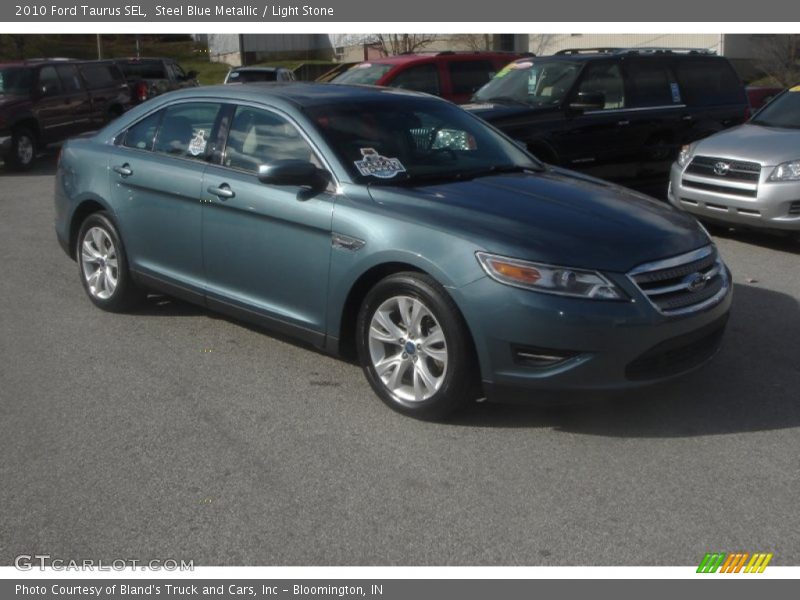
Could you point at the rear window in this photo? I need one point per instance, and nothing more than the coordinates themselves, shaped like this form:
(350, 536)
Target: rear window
(250, 76)
(707, 82)
(143, 69)
(98, 76)
(468, 76)
(364, 73)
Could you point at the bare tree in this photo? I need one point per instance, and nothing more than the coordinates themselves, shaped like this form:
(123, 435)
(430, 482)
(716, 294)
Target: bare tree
(539, 43)
(777, 55)
(392, 44)
(475, 42)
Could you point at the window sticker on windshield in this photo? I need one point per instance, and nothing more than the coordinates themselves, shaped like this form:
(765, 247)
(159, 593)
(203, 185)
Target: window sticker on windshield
(375, 165)
(676, 92)
(198, 144)
(795, 88)
(233, 75)
(363, 66)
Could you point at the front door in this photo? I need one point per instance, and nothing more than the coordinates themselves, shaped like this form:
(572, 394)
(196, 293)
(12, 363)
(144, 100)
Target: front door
(266, 248)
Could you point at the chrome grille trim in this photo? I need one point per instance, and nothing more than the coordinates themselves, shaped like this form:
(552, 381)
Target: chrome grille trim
(683, 284)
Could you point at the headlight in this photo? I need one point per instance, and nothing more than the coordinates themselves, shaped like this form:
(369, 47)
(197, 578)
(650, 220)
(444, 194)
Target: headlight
(550, 279)
(685, 155)
(788, 171)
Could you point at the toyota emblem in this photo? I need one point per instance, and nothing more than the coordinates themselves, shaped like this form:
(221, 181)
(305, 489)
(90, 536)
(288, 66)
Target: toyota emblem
(721, 168)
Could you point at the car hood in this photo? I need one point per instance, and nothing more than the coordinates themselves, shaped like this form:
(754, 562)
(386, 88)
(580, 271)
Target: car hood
(557, 217)
(10, 100)
(768, 146)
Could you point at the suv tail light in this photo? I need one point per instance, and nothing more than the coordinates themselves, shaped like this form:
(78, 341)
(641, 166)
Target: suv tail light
(141, 91)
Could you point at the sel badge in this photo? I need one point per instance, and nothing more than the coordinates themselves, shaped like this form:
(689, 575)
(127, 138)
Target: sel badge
(198, 144)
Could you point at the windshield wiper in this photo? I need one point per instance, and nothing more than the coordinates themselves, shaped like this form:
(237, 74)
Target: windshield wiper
(499, 170)
(428, 178)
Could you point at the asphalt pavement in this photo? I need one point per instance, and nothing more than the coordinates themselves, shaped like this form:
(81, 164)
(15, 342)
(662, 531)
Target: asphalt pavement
(175, 433)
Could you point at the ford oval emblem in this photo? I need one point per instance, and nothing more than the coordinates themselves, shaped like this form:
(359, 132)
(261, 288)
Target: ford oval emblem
(696, 282)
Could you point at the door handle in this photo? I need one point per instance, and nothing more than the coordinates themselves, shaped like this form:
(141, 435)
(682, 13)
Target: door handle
(222, 192)
(124, 170)
(621, 123)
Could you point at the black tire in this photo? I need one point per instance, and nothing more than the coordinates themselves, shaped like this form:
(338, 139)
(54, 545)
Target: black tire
(24, 148)
(125, 294)
(459, 380)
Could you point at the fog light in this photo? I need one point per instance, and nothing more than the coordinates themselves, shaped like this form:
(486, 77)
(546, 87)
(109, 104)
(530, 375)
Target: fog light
(532, 356)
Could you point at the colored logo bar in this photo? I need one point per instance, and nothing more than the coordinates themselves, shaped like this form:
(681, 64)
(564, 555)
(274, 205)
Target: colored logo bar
(734, 562)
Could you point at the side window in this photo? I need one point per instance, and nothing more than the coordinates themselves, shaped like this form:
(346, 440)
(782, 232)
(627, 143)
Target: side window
(466, 76)
(649, 84)
(186, 129)
(705, 82)
(70, 79)
(422, 78)
(97, 76)
(258, 137)
(142, 134)
(49, 83)
(605, 79)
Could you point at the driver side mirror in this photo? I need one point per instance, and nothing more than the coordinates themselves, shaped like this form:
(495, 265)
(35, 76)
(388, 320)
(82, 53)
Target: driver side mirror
(293, 172)
(588, 101)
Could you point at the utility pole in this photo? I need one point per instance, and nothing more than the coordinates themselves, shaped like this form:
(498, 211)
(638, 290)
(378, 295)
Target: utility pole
(99, 48)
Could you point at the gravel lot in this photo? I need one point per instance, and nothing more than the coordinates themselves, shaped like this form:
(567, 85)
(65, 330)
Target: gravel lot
(175, 433)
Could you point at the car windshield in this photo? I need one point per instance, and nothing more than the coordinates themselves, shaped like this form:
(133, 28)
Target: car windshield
(400, 139)
(531, 82)
(15, 81)
(365, 73)
(250, 76)
(783, 111)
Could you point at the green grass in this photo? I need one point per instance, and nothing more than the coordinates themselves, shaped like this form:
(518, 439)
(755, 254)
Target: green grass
(208, 73)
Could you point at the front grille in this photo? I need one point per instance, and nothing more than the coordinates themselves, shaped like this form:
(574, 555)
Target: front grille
(683, 284)
(734, 170)
(722, 189)
(794, 208)
(679, 354)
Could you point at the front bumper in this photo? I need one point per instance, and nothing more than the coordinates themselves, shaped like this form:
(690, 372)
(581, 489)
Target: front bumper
(611, 345)
(774, 205)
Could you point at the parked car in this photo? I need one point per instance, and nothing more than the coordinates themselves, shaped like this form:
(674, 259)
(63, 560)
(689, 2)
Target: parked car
(454, 76)
(618, 114)
(758, 96)
(46, 101)
(747, 176)
(255, 74)
(396, 227)
(149, 77)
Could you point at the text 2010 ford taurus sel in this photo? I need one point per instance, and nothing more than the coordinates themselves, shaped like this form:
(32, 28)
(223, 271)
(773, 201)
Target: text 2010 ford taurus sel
(399, 228)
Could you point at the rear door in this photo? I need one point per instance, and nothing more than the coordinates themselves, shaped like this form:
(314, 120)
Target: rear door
(657, 115)
(156, 173)
(104, 90)
(75, 102)
(266, 248)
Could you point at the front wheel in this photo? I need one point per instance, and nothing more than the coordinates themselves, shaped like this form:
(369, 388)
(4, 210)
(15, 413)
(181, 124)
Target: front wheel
(23, 149)
(103, 265)
(414, 347)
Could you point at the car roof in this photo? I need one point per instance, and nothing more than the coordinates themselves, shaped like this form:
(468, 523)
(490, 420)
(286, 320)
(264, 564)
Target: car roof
(297, 93)
(611, 53)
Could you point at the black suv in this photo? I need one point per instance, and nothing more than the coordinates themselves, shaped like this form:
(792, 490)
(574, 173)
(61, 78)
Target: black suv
(620, 114)
(47, 101)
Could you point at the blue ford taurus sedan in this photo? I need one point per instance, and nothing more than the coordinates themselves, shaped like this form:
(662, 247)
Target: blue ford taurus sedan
(396, 228)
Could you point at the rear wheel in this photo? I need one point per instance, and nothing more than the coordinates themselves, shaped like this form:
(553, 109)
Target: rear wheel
(23, 149)
(103, 265)
(414, 347)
